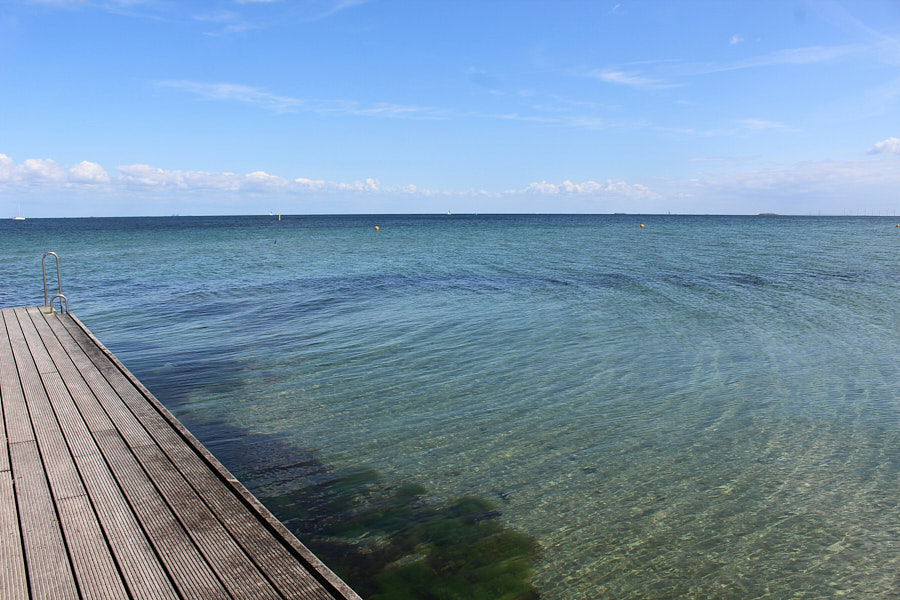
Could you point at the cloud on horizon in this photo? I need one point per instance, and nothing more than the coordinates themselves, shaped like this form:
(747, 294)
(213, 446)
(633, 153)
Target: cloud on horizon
(170, 185)
(45, 171)
(618, 188)
(87, 172)
(832, 187)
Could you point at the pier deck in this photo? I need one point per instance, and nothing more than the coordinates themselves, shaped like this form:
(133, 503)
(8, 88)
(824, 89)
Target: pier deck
(104, 494)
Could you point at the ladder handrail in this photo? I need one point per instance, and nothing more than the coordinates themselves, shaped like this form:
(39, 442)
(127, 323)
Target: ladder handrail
(59, 293)
(63, 304)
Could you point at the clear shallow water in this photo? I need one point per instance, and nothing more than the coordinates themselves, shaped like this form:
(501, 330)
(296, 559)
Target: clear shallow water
(705, 407)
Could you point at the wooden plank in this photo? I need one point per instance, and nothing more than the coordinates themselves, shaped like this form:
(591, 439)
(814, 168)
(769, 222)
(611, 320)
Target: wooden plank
(96, 505)
(90, 556)
(141, 568)
(233, 568)
(77, 435)
(4, 442)
(61, 472)
(38, 354)
(9, 379)
(184, 562)
(229, 562)
(94, 567)
(239, 575)
(49, 573)
(27, 372)
(46, 557)
(13, 583)
(113, 414)
(295, 571)
(272, 556)
(15, 413)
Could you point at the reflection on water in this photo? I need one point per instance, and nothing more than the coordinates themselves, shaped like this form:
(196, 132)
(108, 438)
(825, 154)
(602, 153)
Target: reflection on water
(388, 541)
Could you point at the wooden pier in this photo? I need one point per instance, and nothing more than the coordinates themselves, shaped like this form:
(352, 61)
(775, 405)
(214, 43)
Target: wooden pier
(104, 494)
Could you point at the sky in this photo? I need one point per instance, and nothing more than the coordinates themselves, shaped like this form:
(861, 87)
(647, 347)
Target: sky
(159, 107)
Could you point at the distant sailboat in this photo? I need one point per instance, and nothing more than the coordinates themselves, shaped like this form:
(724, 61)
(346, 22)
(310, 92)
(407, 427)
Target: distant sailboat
(19, 216)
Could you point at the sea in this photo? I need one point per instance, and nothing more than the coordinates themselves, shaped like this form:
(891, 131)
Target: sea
(563, 407)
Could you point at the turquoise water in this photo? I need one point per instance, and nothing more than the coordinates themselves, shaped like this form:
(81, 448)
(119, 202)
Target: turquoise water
(703, 407)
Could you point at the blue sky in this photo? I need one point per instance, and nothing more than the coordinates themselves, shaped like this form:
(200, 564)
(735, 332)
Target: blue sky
(156, 107)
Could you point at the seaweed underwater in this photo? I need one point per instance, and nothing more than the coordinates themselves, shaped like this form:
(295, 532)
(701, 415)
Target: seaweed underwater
(386, 539)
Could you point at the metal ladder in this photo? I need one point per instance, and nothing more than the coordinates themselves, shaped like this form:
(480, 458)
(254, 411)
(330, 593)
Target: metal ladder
(63, 301)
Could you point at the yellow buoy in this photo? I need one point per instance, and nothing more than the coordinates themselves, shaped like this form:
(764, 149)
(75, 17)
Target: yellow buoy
(376, 228)
(642, 224)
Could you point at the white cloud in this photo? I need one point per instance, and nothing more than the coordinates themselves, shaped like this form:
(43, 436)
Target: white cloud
(147, 176)
(735, 39)
(257, 182)
(260, 181)
(36, 172)
(590, 188)
(310, 184)
(6, 168)
(830, 187)
(369, 185)
(889, 146)
(235, 92)
(630, 79)
(88, 172)
(541, 187)
(42, 170)
(381, 109)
